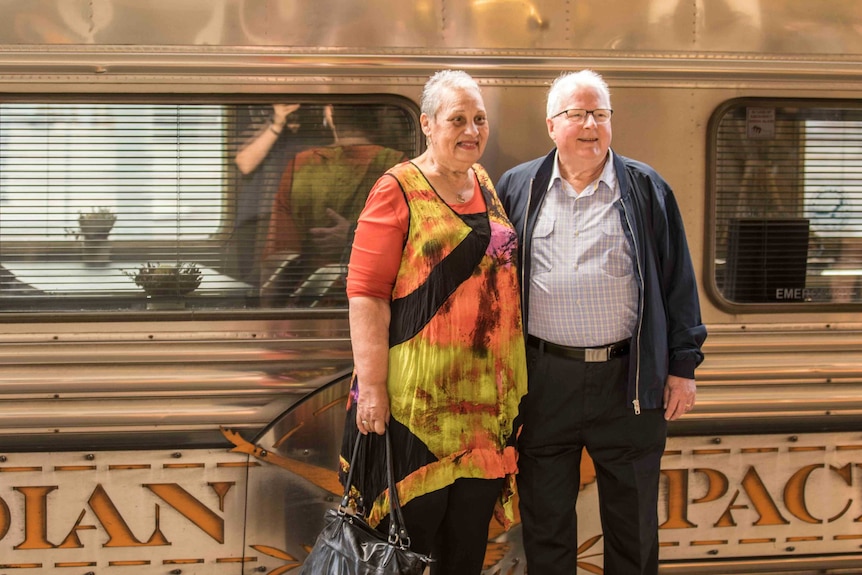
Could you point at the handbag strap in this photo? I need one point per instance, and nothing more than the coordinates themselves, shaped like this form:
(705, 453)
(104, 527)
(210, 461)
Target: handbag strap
(397, 530)
(345, 499)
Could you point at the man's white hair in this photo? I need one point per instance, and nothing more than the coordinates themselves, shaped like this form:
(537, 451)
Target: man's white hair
(570, 82)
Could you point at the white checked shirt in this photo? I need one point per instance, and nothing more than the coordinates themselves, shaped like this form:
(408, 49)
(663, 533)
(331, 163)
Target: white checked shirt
(583, 291)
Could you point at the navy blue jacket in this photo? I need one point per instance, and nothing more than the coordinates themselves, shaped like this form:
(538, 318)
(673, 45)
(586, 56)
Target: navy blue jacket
(669, 332)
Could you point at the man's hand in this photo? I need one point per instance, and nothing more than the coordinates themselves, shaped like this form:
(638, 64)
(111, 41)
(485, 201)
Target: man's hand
(679, 396)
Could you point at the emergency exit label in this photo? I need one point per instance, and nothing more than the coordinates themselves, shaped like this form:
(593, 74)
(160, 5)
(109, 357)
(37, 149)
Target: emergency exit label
(760, 123)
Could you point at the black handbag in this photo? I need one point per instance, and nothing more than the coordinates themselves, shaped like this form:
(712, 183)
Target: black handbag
(349, 546)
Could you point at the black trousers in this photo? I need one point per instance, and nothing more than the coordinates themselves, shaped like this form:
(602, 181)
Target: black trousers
(452, 524)
(572, 405)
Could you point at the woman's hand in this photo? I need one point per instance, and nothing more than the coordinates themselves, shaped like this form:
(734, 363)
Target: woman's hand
(280, 112)
(372, 409)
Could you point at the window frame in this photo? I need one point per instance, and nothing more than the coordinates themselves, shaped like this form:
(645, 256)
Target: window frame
(712, 196)
(100, 307)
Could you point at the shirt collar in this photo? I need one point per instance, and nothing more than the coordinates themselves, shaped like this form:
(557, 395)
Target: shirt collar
(608, 176)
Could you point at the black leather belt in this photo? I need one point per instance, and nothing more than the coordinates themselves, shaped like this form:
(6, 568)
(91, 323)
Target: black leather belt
(585, 354)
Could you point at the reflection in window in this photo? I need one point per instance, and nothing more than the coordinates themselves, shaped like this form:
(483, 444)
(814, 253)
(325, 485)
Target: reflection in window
(788, 203)
(121, 206)
(833, 201)
(157, 168)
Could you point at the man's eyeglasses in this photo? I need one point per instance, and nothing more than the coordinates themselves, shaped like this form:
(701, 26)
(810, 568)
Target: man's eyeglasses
(579, 116)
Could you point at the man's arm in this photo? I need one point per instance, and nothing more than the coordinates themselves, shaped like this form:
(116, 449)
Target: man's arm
(686, 330)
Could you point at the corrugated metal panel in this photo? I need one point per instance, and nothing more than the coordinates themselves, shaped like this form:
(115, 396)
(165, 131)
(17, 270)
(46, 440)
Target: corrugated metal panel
(828, 27)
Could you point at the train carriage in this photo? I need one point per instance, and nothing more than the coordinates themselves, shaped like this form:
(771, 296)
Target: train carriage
(174, 364)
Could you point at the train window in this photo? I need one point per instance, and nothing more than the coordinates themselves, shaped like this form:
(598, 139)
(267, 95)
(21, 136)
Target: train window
(786, 184)
(221, 206)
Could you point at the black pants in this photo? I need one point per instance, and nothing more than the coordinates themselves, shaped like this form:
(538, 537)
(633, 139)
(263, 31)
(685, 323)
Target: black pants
(572, 405)
(452, 525)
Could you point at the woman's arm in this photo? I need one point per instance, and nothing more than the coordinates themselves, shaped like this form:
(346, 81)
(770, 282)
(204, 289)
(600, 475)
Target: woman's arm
(255, 150)
(369, 334)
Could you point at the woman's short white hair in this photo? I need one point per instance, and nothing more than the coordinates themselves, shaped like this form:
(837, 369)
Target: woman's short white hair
(570, 82)
(439, 85)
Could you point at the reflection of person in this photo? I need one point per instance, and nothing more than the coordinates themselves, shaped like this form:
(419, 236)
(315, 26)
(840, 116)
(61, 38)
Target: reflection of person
(322, 192)
(718, 24)
(255, 150)
(273, 134)
(614, 332)
(436, 330)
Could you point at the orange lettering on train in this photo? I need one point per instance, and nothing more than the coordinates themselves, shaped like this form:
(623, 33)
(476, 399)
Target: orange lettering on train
(35, 517)
(677, 500)
(843, 473)
(192, 509)
(760, 499)
(110, 518)
(794, 494)
(5, 519)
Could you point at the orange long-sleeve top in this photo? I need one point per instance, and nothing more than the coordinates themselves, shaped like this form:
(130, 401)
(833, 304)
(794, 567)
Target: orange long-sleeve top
(380, 235)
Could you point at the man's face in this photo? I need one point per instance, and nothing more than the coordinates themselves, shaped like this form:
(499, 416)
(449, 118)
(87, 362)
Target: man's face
(581, 145)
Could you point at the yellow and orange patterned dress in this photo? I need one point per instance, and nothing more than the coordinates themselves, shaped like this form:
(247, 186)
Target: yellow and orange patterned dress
(457, 367)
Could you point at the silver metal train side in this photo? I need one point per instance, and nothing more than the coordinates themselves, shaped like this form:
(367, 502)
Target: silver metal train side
(207, 443)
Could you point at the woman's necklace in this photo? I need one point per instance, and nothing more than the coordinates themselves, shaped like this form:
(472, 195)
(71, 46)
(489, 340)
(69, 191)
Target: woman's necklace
(464, 194)
(461, 196)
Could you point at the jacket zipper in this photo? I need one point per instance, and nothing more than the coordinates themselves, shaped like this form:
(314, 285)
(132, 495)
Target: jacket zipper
(636, 403)
(525, 263)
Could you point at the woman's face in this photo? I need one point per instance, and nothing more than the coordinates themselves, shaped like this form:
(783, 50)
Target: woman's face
(457, 135)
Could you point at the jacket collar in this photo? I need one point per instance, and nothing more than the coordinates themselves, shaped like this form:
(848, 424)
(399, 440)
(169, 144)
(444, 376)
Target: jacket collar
(542, 178)
(622, 176)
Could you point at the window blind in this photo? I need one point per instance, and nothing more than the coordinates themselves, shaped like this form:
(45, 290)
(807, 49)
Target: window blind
(150, 206)
(788, 202)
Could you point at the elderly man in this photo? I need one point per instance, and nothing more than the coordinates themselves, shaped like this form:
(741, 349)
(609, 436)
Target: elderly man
(614, 332)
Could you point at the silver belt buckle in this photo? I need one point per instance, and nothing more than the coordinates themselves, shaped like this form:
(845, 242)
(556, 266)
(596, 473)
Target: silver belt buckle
(596, 354)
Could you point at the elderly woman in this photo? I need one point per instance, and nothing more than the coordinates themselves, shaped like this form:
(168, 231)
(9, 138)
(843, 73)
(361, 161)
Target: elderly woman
(435, 324)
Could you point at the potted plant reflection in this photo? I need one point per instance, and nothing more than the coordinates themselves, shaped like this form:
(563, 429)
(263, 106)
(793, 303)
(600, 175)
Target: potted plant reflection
(93, 228)
(166, 285)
